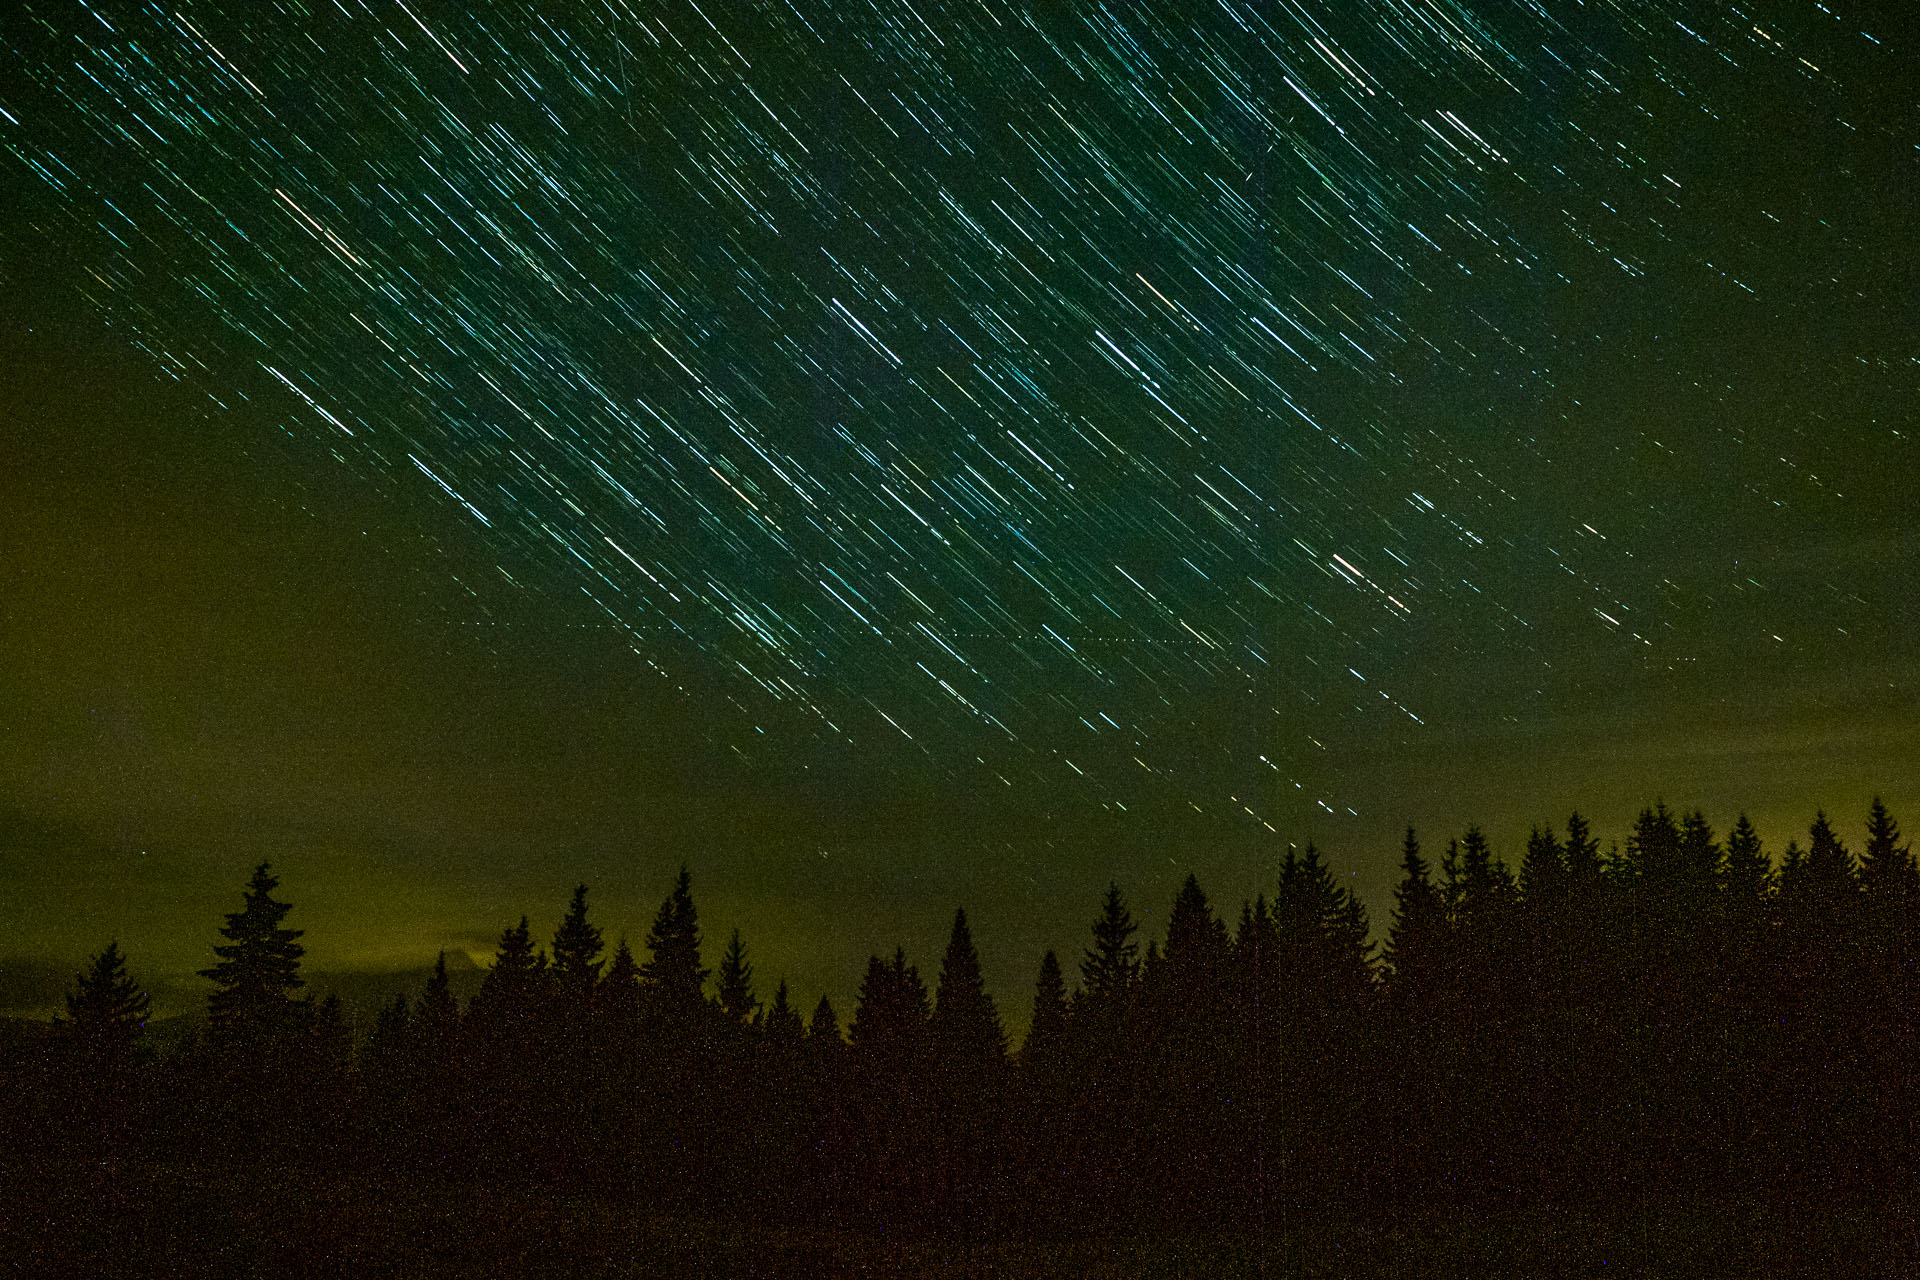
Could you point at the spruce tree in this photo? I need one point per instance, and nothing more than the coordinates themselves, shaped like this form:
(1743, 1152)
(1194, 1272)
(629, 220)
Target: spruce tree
(1543, 872)
(1584, 866)
(825, 1026)
(965, 1024)
(259, 966)
(784, 1028)
(1048, 1032)
(1697, 856)
(439, 1012)
(1826, 875)
(106, 1011)
(1746, 875)
(1322, 929)
(1887, 870)
(513, 986)
(674, 943)
(892, 1014)
(576, 953)
(1416, 936)
(735, 983)
(1110, 968)
(619, 994)
(1196, 951)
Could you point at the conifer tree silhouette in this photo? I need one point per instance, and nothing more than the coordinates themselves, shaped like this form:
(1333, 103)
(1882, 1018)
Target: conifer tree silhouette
(438, 1013)
(890, 1059)
(1824, 881)
(106, 1010)
(968, 1051)
(965, 1024)
(1543, 872)
(620, 993)
(735, 983)
(1415, 937)
(99, 1079)
(1746, 873)
(1047, 1034)
(258, 970)
(674, 943)
(1196, 951)
(893, 1011)
(576, 953)
(1111, 965)
(824, 1028)
(1887, 871)
(517, 979)
(784, 1028)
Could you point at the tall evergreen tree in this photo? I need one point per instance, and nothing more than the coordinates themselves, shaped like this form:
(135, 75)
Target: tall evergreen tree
(735, 983)
(825, 1024)
(1196, 951)
(619, 994)
(1824, 878)
(1746, 874)
(259, 965)
(784, 1028)
(1584, 865)
(1653, 846)
(439, 1012)
(1110, 968)
(1543, 871)
(106, 1010)
(1048, 1031)
(1417, 934)
(519, 974)
(1323, 934)
(893, 1009)
(1887, 871)
(576, 953)
(965, 1024)
(674, 942)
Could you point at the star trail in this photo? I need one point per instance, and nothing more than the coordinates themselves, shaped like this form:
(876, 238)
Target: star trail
(1134, 401)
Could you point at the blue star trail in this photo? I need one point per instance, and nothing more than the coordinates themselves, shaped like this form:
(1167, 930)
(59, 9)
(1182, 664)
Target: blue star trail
(1132, 399)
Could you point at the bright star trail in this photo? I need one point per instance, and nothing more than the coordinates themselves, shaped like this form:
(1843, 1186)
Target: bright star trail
(1144, 404)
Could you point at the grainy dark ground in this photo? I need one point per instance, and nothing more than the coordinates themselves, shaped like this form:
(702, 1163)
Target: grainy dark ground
(202, 1221)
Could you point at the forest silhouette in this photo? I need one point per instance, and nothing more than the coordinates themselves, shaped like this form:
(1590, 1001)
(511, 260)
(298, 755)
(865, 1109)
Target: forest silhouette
(1681, 1033)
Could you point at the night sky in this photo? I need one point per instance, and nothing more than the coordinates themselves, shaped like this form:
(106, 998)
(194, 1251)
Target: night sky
(928, 454)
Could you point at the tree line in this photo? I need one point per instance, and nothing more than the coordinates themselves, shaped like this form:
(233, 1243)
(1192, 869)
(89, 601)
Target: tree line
(1680, 1014)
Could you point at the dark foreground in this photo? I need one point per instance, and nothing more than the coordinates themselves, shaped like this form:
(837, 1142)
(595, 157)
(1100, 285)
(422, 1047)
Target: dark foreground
(189, 1221)
(1678, 1059)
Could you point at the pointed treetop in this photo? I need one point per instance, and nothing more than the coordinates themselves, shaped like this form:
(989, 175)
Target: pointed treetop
(259, 965)
(1196, 951)
(106, 1010)
(1828, 868)
(1111, 966)
(736, 982)
(825, 1026)
(1745, 873)
(439, 1011)
(893, 1011)
(1543, 871)
(1887, 869)
(1414, 938)
(1583, 856)
(674, 941)
(1049, 1028)
(576, 950)
(965, 1023)
(783, 1023)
